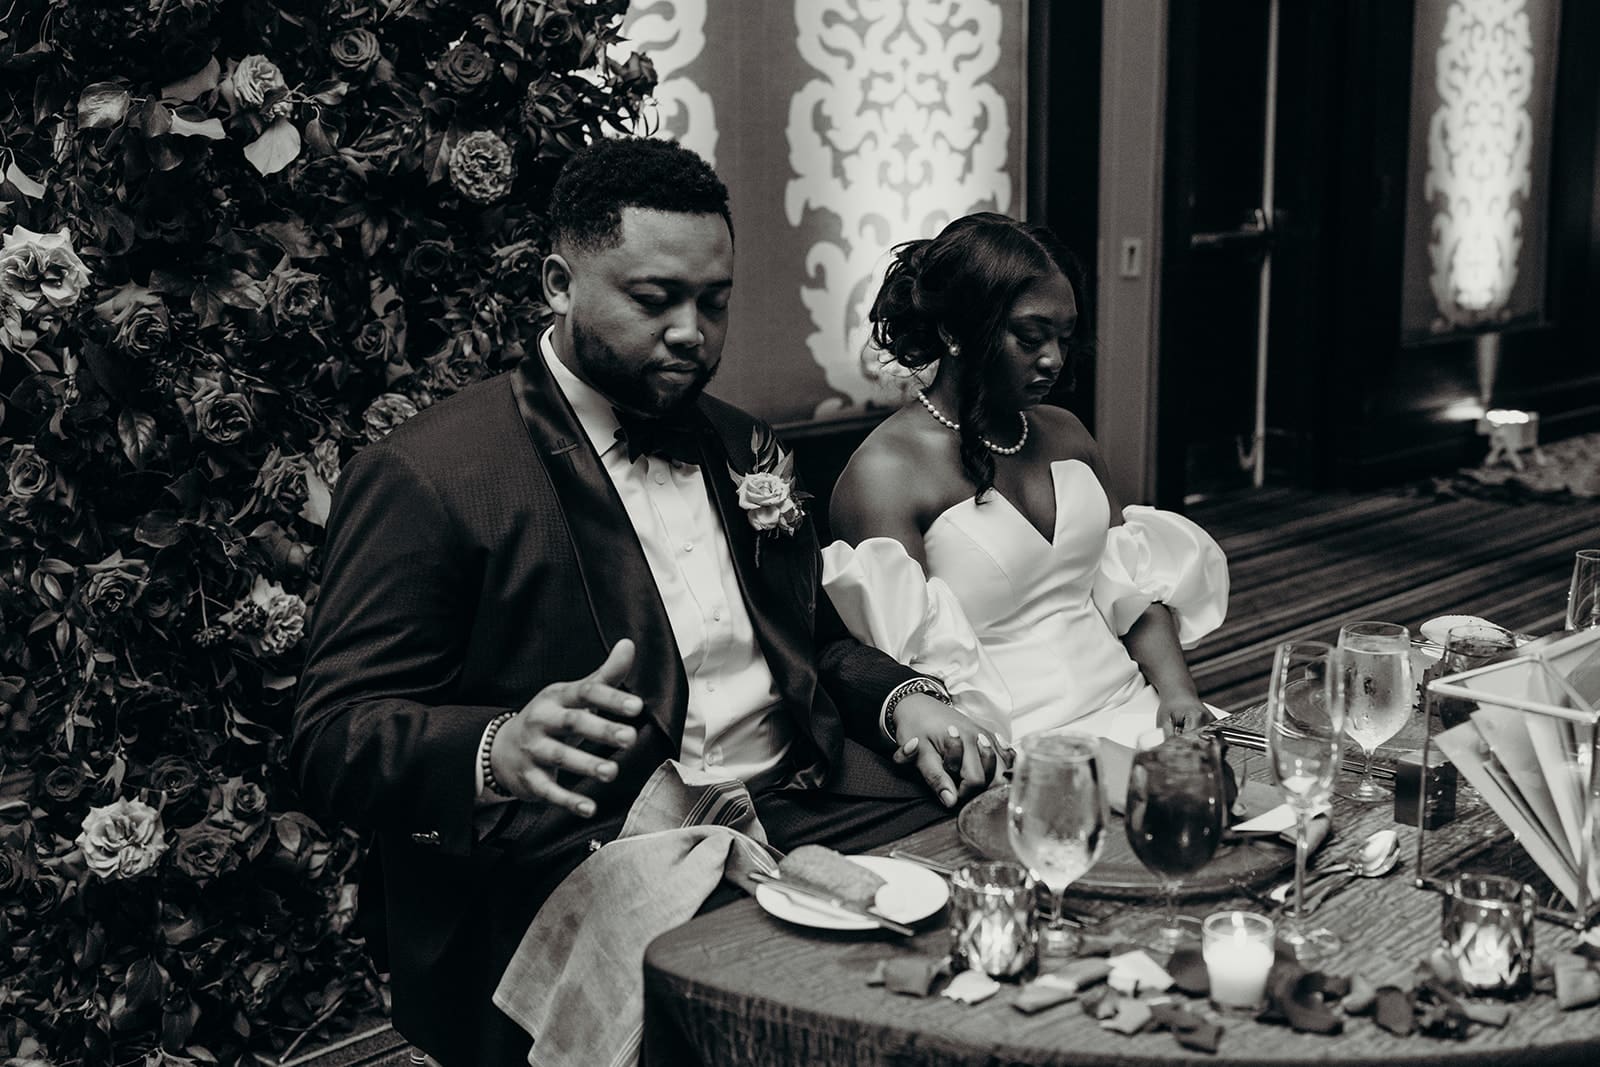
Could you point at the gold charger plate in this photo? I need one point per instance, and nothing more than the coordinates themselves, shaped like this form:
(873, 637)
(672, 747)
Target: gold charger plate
(1239, 863)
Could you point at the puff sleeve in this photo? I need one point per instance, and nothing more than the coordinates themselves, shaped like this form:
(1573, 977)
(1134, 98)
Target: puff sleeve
(1161, 557)
(887, 601)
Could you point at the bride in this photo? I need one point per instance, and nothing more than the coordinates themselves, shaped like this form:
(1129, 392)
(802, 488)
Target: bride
(979, 540)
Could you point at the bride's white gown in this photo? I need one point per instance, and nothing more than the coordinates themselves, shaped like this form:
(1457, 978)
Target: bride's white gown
(1026, 632)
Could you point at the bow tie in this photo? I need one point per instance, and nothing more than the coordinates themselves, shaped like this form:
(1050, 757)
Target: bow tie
(671, 439)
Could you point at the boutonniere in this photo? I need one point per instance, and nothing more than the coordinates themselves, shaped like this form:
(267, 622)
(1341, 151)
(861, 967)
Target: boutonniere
(766, 491)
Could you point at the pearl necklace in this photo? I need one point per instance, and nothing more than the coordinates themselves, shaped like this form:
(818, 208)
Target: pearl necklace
(990, 445)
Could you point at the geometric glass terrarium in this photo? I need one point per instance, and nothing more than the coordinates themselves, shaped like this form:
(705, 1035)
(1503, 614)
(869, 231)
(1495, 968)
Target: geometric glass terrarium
(1521, 735)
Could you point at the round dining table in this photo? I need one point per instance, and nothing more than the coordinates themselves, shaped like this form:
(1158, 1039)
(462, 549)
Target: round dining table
(738, 987)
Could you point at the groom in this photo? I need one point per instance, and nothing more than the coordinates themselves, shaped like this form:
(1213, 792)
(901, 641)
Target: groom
(539, 589)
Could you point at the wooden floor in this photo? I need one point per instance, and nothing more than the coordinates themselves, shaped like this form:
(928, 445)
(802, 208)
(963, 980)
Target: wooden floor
(1302, 564)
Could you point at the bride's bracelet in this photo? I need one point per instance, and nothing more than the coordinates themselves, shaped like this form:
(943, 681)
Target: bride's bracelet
(931, 686)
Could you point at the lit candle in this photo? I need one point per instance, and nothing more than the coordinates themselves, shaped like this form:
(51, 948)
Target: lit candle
(1237, 948)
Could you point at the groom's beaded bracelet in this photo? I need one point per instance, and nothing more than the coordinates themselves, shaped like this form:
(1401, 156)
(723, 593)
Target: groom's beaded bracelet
(930, 686)
(490, 783)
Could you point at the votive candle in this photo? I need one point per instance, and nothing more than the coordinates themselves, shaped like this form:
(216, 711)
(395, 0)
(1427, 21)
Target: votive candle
(1238, 949)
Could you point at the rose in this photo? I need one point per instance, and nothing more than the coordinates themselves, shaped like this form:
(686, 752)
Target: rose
(174, 776)
(481, 167)
(558, 28)
(325, 461)
(768, 501)
(42, 895)
(41, 266)
(285, 625)
(114, 583)
(63, 783)
(28, 473)
(244, 800)
(13, 868)
(138, 318)
(160, 599)
(263, 981)
(520, 259)
(464, 68)
(203, 852)
(355, 49)
(122, 839)
(429, 260)
(453, 369)
(220, 416)
(637, 76)
(385, 413)
(377, 341)
(254, 78)
(281, 479)
(295, 296)
(544, 106)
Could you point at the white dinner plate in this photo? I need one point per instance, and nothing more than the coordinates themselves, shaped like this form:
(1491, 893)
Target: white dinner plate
(909, 893)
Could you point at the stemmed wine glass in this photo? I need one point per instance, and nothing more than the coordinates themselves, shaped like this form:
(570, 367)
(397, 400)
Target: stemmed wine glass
(1378, 693)
(1175, 816)
(1583, 596)
(1056, 818)
(1305, 744)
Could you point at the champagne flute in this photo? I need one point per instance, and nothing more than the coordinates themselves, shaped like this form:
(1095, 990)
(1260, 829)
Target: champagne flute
(1305, 744)
(1583, 596)
(1378, 693)
(1056, 819)
(1175, 820)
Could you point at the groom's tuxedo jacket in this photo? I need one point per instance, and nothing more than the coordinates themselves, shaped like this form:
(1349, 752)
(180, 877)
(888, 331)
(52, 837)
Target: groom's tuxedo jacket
(475, 555)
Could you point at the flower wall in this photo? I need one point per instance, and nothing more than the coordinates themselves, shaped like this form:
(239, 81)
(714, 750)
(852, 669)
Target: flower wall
(242, 239)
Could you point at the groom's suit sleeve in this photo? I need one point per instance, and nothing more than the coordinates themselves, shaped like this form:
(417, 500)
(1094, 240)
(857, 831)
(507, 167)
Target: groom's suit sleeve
(375, 740)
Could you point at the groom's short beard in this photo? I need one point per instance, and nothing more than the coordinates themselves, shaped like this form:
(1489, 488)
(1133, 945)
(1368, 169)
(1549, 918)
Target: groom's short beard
(631, 387)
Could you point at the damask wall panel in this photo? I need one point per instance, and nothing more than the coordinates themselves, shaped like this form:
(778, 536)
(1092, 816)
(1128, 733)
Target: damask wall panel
(842, 127)
(1477, 211)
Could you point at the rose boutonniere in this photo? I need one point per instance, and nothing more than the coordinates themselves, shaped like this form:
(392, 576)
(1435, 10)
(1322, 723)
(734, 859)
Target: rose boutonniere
(766, 492)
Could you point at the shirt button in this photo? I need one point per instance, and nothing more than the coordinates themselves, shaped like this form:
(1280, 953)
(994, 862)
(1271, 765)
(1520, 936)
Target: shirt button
(714, 756)
(711, 687)
(661, 479)
(716, 616)
(688, 546)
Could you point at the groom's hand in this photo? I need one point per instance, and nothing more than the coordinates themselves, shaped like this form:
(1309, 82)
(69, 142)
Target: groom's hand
(956, 757)
(534, 744)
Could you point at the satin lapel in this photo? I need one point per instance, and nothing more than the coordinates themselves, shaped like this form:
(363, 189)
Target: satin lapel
(621, 590)
(779, 590)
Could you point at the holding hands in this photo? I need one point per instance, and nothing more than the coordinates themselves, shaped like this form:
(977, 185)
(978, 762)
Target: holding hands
(537, 741)
(956, 757)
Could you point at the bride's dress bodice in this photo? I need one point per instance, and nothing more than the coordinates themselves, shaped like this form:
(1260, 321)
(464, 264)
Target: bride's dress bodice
(1031, 601)
(1024, 630)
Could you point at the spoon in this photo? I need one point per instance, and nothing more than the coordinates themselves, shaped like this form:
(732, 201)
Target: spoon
(1377, 857)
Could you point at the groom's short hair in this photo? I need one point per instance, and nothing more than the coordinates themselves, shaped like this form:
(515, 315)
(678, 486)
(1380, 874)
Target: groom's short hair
(613, 173)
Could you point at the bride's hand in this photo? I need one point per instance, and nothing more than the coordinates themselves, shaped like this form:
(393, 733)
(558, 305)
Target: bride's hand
(945, 743)
(1182, 715)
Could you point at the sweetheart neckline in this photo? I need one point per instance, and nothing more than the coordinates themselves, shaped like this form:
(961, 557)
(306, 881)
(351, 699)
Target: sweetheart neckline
(1055, 529)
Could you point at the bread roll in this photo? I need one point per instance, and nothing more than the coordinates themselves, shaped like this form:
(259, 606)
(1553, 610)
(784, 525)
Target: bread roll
(823, 867)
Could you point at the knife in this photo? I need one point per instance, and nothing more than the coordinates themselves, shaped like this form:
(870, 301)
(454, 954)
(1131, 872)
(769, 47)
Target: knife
(818, 895)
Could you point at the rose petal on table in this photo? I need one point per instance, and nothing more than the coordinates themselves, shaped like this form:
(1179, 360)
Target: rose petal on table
(1577, 983)
(1395, 1011)
(971, 987)
(1361, 997)
(1479, 1011)
(1083, 972)
(1045, 991)
(1188, 970)
(1296, 993)
(1134, 972)
(1132, 1015)
(1191, 1030)
(912, 975)
(1100, 1002)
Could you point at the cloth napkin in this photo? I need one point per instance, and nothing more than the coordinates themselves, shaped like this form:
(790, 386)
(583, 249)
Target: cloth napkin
(576, 981)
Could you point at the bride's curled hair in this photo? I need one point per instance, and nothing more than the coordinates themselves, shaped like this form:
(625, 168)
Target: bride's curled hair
(958, 289)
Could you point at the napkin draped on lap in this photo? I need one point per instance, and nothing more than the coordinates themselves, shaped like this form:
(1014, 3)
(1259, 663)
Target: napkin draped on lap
(576, 981)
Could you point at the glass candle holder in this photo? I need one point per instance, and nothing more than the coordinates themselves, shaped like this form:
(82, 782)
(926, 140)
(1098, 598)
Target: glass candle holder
(1487, 930)
(1237, 947)
(992, 925)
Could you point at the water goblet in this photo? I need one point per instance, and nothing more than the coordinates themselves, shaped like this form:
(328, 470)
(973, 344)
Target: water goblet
(1056, 819)
(1305, 744)
(1378, 693)
(1175, 816)
(1583, 595)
